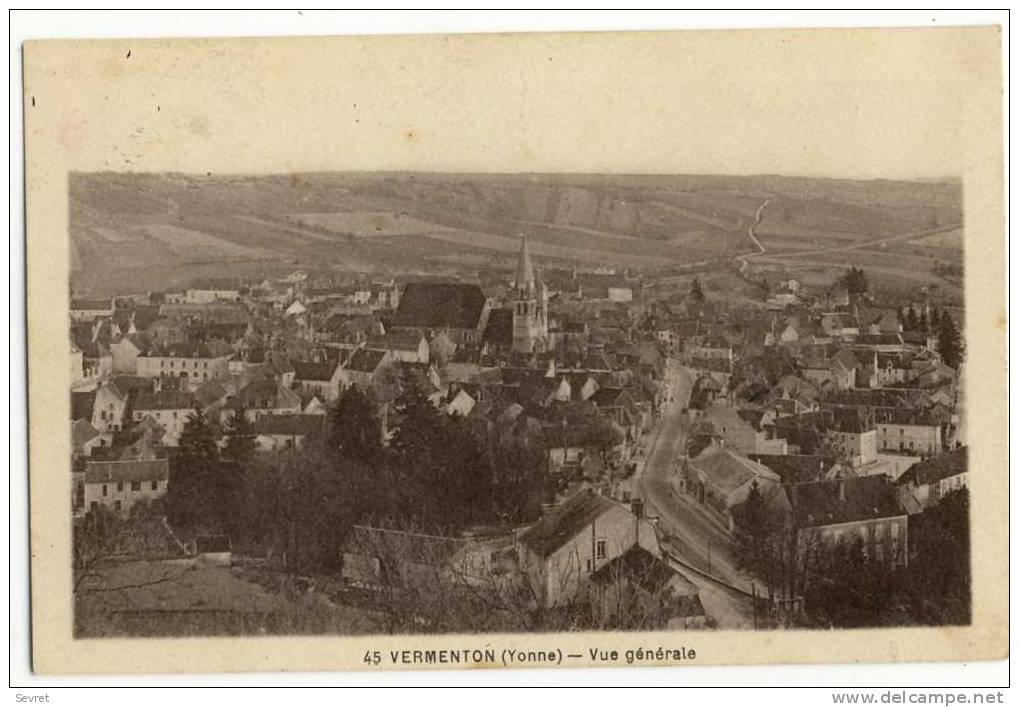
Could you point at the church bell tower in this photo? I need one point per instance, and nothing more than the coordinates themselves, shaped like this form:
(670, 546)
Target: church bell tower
(530, 306)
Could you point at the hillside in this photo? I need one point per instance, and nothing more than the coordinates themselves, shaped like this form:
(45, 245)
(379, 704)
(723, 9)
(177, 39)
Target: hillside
(140, 232)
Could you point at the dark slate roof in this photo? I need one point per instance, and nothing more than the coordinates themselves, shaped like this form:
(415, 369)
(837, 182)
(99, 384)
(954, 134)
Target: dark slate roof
(433, 305)
(82, 405)
(165, 400)
(796, 468)
(82, 431)
(609, 396)
(555, 530)
(263, 394)
(936, 468)
(124, 471)
(901, 416)
(365, 360)
(643, 570)
(499, 329)
(93, 304)
(313, 370)
(879, 339)
(866, 497)
(851, 420)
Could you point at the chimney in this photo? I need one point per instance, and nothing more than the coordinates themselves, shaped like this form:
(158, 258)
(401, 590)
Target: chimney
(637, 507)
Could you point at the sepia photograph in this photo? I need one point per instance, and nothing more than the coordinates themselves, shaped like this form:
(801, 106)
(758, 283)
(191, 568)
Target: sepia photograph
(509, 351)
(419, 402)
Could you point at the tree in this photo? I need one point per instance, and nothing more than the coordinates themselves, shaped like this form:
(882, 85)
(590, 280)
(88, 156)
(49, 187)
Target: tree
(855, 281)
(912, 321)
(696, 292)
(355, 430)
(950, 345)
(197, 448)
(192, 470)
(442, 473)
(239, 446)
(758, 539)
(938, 590)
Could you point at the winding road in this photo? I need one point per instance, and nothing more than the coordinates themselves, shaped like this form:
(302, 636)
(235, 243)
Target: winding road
(761, 250)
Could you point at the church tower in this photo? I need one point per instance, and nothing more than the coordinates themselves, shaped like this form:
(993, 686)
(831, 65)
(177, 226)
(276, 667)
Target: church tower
(530, 306)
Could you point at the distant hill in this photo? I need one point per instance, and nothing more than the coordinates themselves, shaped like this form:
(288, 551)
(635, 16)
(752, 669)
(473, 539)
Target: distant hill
(140, 232)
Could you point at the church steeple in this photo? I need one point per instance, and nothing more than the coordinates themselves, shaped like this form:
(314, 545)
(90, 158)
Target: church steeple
(530, 306)
(525, 273)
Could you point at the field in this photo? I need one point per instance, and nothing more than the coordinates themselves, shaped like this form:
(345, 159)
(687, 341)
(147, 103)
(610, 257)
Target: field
(150, 232)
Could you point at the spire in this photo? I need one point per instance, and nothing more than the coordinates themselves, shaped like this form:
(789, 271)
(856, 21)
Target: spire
(525, 274)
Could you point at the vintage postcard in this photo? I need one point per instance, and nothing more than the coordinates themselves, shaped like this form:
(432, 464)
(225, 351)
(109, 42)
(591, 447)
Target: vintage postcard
(502, 351)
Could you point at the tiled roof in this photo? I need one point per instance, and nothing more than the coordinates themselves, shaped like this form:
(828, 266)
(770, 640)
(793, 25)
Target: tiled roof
(644, 570)
(289, 425)
(555, 530)
(936, 468)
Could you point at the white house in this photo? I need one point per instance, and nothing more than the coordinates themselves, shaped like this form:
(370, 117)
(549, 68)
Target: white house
(561, 551)
(118, 485)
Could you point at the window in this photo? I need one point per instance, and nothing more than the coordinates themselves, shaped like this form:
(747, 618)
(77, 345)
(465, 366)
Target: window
(155, 485)
(599, 551)
(104, 489)
(205, 364)
(120, 486)
(117, 505)
(589, 566)
(94, 505)
(136, 485)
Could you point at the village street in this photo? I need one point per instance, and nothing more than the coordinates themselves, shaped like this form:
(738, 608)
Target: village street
(686, 531)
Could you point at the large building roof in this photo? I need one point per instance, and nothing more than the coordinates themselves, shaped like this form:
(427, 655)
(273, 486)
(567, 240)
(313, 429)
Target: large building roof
(435, 305)
(845, 501)
(728, 470)
(290, 425)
